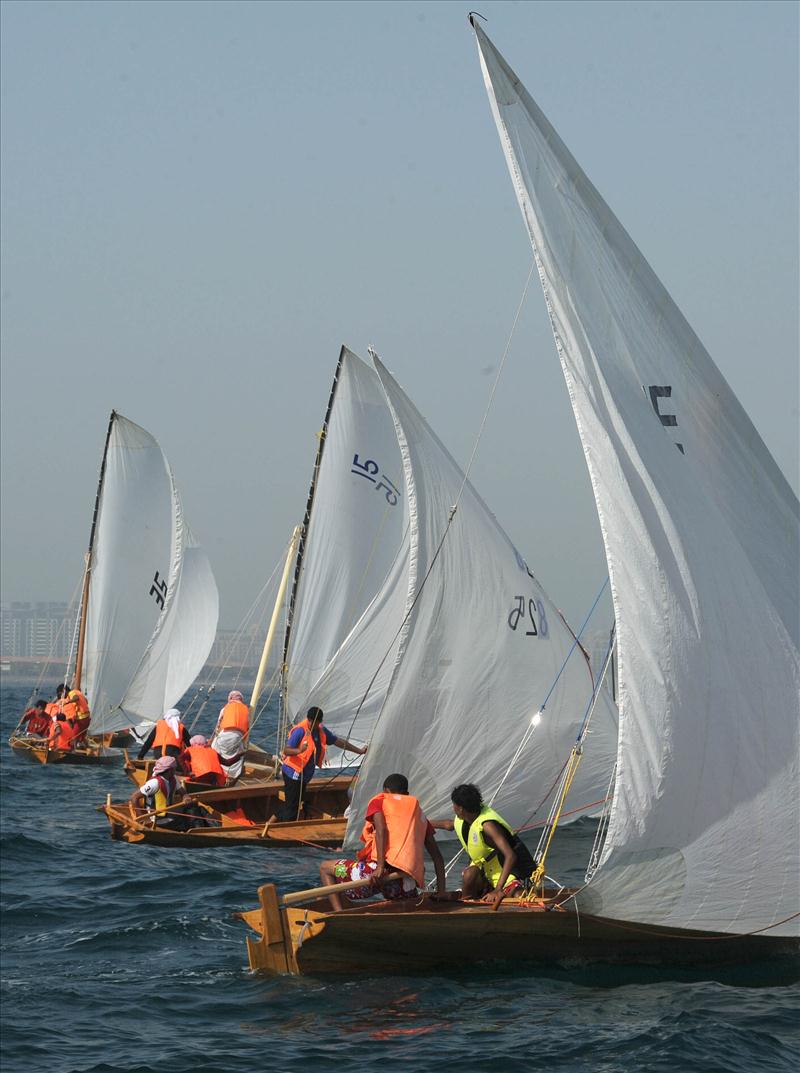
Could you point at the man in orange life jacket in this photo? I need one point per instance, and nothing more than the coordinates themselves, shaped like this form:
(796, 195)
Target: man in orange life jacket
(169, 737)
(201, 763)
(395, 835)
(76, 708)
(63, 733)
(35, 720)
(304, 750)
(57, 705)
(230, 735)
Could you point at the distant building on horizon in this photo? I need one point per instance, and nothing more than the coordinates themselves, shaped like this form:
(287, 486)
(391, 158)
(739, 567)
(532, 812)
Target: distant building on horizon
(42, 631)
(36, 630)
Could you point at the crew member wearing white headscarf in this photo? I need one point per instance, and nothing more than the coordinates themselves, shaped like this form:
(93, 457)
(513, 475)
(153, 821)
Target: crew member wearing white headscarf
(169, 737)
(230, 735)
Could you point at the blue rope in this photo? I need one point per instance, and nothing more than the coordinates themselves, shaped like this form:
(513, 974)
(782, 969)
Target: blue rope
(598, 683)
(575, 644)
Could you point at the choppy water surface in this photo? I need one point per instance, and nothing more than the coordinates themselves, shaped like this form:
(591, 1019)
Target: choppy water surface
(124, 958)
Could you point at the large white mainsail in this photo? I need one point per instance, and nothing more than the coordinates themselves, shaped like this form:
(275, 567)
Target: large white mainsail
(481, 652)
(352, 587)
(701, 537)
(153, 602)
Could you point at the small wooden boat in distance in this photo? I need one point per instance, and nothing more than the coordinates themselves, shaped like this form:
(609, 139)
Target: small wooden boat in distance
(240, 814)
(38, 751)
(149, 603)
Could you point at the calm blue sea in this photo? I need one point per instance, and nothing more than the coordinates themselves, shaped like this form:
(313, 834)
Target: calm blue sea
(125, 958)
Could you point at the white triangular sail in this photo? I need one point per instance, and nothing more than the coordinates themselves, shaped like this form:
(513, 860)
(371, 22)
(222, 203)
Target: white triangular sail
(153, 602)
(354, 578)
(481, 653)
(701, 537)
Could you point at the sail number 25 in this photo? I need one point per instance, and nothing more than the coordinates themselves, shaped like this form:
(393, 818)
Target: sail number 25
(530, 614)
(370, 470)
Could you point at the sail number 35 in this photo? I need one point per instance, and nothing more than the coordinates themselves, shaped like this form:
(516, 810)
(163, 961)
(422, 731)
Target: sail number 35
(159, 590)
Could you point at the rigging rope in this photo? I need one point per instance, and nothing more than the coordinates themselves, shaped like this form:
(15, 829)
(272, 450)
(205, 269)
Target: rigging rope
(246, 621)
(536, 719)
(551, 825)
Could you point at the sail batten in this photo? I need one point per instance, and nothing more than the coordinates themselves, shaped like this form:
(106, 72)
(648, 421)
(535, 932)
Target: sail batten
(701, 536)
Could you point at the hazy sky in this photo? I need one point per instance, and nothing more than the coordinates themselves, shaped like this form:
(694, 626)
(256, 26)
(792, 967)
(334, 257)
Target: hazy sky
(202, 201)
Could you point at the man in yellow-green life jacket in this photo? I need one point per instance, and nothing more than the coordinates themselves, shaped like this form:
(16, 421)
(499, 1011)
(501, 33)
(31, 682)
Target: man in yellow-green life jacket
(500, 862)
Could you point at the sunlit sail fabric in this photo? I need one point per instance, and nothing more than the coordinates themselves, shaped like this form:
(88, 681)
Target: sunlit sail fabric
(701, 537)
(153, 602)
(482, 649)
(352, 590)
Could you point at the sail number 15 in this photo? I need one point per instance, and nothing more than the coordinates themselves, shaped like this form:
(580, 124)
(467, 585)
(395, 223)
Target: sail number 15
(370, 470)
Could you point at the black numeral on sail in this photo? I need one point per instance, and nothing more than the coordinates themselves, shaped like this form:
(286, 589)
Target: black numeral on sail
(370, 470)
(528, 612)
(159, 590)
(667, 420)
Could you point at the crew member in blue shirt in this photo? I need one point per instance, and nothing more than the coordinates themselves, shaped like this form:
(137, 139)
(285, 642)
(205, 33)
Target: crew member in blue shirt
(304, 751)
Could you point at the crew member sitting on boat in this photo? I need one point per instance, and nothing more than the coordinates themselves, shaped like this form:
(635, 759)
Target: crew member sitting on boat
(35, 720)
(201, 763)
(76, 708)
(304, 750)
(159, 793)
(63, 733)
(169, 737)
(230, 735)
(501, 863)
(396, 834)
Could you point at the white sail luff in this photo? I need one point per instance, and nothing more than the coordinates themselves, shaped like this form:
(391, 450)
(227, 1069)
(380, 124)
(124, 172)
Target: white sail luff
(701, 535)
(351, 591)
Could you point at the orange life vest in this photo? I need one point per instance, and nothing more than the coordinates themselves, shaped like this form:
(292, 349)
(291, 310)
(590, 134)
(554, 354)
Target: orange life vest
(76, 705)
(165, 737)
(307, 747)
(202, 759)
(235, 716)
(238, 815)
(405, 836)
(62, 735)
(53, 708)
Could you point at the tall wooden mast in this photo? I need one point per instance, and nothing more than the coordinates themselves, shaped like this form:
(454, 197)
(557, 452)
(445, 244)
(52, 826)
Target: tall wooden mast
(262, 667)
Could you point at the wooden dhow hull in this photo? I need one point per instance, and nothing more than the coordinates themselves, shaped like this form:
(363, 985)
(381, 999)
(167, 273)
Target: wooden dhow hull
(253, 773)
(36, 750)
(320, 833)
(242, 812)
(424, 936)
(117, 739)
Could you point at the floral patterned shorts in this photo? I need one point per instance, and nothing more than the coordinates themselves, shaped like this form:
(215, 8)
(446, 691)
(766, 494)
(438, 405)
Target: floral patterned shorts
(344, 871)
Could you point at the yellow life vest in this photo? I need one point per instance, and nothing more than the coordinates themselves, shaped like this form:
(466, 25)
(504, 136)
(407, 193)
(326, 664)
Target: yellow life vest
(160, 801)
(481, 854)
